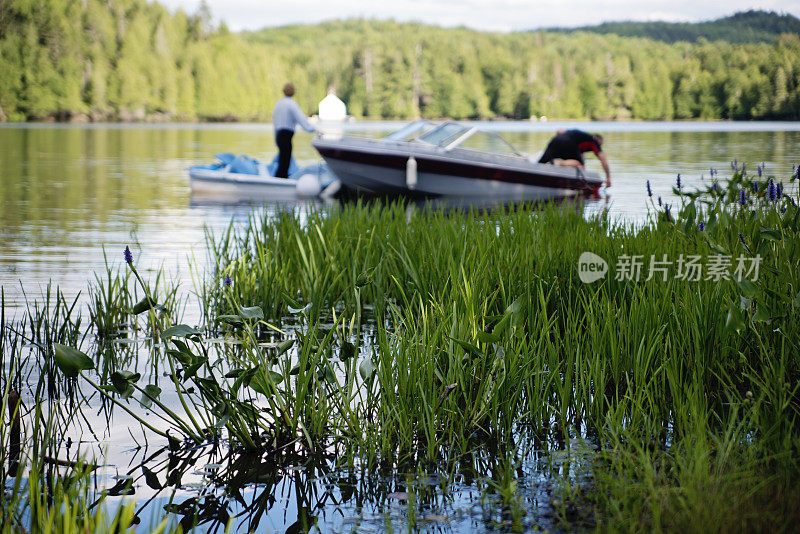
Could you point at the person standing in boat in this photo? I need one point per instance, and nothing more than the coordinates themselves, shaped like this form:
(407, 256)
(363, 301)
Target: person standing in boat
(285, 117)
(567, 147)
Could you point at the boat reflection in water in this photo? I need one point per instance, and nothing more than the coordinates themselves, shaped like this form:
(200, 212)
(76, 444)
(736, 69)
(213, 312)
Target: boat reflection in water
(470, 204)
(448, 160)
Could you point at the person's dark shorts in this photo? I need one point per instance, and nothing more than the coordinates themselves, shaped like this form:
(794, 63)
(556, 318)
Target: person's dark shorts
(560, 148)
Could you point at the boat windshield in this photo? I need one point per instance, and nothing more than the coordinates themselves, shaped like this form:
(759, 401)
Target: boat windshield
(489, 142)
(409, 131)
(451, 135)
(443, 133)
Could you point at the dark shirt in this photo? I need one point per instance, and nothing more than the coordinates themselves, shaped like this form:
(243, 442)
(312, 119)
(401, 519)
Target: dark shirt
(570, 145)
(583, 140)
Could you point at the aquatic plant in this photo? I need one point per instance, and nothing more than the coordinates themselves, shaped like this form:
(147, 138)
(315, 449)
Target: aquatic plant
(401, 339)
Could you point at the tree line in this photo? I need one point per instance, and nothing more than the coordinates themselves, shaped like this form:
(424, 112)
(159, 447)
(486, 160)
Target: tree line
(135, 60)
(753, 26)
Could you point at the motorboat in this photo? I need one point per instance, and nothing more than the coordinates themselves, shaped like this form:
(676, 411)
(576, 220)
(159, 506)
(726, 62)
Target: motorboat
(242, 177)
(448, 159)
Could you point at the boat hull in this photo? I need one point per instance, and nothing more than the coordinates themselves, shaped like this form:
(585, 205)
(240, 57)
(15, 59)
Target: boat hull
(382, 168)
(215, 182)
(382, 180)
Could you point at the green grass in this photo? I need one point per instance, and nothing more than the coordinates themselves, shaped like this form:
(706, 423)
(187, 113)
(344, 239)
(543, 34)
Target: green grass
(415, 340)
(657, 370)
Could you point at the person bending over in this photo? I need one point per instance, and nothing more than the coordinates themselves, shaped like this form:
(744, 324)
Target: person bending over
(567, 147)
(285, 117)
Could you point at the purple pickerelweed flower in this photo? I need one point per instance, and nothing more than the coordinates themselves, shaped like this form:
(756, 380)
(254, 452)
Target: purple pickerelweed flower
(701, 226)
(679, 181)
(659, 201)
(783, 209)
(649, 191)
(128, 256)
(742, 197)
(228, 282)
(760, 170)
(772, 191)
(779, 190)
(715, 186)
(755, 187)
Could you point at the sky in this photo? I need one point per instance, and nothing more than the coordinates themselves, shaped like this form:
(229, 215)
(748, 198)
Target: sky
(490, 15)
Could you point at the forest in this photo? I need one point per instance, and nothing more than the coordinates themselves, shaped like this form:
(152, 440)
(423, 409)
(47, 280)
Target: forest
(743, 27)
(131, 60)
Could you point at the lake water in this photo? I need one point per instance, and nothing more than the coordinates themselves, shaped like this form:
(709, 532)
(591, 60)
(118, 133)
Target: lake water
(69, 192)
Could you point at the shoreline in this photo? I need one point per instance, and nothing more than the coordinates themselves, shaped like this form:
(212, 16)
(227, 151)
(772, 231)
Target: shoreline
(491, 124)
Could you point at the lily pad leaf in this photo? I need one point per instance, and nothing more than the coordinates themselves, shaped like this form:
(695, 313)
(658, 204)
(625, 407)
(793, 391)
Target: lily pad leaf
(151, 479)
(284, 346)
(515, 306)
(71, 361)
(235, 373)
(347, 351)
(253, 312)
(469, 348)
(258, 384)
(295, 311)
(734, 322)
(191, 370)
(326, 373)
(180, 330)
(749, 289)
(180, 356)
(150, 392)
(292, 303)
(364, 278)
(771, 235)
(122, 380)
(143, 305)
(761, 315)
(122, 487)
(277, 378)
(222, 421)
(497, 331)
(367, 368)
(233, 320)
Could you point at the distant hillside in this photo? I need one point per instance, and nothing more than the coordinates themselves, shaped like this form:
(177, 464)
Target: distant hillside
(744, 27)
(135, 60)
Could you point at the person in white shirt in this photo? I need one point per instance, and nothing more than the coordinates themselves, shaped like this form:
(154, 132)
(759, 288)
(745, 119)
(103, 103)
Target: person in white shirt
(286, 115)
